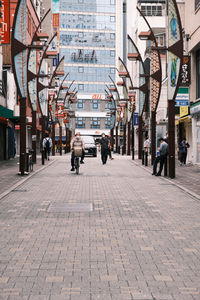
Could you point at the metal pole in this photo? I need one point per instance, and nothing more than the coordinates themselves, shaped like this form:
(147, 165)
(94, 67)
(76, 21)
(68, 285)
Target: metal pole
(124, 141)
(133, 138)
(53, 138)
(60, 130)
(171, 136)
(34, 136)
(140, 138)
(129, 139)
(153, 136)
(111, 138)
(22, 164)
(116, 138)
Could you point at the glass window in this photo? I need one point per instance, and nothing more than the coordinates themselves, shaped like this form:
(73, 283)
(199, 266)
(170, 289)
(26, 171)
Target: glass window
(81, 87)
(112, 36)
(112, 70)
(112, 53)
(80, 123)
(95, 104)
(107, 123)
(112, 2)
(95, 123)
(80, 69)
(112, 19)
(80, 104)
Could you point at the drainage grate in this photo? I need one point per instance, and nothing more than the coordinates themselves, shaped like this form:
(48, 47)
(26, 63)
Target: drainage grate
(66, 207)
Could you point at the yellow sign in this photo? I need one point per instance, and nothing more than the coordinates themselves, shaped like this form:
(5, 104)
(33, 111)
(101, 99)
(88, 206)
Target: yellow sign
(183, 111)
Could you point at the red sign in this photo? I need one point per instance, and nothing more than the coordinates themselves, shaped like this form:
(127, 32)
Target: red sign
(5, 22)
(56, 20)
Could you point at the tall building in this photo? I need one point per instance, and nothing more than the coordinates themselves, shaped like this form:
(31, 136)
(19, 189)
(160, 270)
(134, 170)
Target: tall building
(87, 39)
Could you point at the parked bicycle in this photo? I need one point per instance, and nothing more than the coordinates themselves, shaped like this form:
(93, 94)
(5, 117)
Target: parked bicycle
(30, 160)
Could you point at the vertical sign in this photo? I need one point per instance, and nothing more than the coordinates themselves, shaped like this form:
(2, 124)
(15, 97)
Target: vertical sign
(4, 22)
(174, 61)
(186, 71)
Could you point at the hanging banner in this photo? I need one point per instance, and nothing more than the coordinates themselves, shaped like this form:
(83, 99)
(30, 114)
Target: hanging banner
(32, 84)
(52, 106)
(174, 61)
(20, 59)
(186, 71)
(55, 6)
(5, 22)
(43, 94)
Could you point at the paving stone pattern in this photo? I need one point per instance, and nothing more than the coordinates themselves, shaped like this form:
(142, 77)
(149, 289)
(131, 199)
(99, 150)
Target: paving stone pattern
(140, 241)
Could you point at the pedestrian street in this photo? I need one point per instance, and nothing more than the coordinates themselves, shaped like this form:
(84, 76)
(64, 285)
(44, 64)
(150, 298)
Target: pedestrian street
(112, 232)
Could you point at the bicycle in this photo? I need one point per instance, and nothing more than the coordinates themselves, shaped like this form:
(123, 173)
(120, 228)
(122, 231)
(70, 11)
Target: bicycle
(77, 155)
(77, 164)
(30, 160)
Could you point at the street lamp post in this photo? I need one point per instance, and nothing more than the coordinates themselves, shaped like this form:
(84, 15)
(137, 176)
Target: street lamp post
(134, 55)
(156, 82)
(114, 89)
(125, 75)
(31, 79)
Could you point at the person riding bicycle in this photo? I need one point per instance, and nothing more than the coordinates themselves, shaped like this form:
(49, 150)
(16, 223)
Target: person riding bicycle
(77, 142)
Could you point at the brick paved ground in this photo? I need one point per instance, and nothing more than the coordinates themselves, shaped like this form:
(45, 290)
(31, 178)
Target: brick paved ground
(140, 241)
(187, 177)
(9, 172)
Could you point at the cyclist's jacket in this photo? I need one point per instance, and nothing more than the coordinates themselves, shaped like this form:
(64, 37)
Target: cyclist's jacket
(77, 142)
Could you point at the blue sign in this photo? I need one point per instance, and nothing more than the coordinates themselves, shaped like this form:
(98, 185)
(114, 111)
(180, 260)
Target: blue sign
(182, 103)
(136, 119)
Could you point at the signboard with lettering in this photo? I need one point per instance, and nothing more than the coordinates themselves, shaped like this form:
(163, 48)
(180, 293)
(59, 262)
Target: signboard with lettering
(84, 56)
(186, 71)
(4, 22)
(182, 98)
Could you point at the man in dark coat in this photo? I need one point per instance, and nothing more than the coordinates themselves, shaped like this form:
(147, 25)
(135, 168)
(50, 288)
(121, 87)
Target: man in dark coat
(105, 145)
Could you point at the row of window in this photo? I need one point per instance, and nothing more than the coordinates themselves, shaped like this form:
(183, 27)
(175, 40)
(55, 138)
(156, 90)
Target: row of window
(151, 10)
(87, 21)
(95, 123)
(94, 39)
(94, 105)
(91, 74)
(85, 56)
(101, 6)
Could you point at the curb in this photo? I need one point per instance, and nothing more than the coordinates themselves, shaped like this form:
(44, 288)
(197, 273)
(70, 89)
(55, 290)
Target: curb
(4, 194)
(172, 182)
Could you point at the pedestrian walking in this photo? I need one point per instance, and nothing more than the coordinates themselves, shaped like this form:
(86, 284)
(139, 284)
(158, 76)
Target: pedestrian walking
(161, 157)
(183, 146)
(105, 145)
(47, 145)
(110, 148)
(147, 144)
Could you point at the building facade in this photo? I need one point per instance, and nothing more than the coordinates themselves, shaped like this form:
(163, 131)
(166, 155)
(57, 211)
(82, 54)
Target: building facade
(192, 48)
(88, 40)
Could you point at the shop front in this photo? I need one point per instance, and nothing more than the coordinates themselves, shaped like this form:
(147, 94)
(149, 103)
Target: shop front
(195, 112)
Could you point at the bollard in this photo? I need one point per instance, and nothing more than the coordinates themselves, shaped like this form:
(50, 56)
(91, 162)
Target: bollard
(165, 167)
(42, 157)
(146, 158)
(142, 157)
(22, 164)
(27, 162)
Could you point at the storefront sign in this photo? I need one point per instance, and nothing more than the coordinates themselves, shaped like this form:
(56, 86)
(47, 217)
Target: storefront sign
(195, 108)
(186, 71)
(182, 98)
(4, 22)
(183, 111)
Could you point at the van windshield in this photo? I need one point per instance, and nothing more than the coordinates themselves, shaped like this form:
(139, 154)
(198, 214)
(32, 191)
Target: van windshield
(88, 139)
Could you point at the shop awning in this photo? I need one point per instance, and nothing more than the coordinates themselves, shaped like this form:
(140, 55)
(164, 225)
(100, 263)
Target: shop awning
(7, 113)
